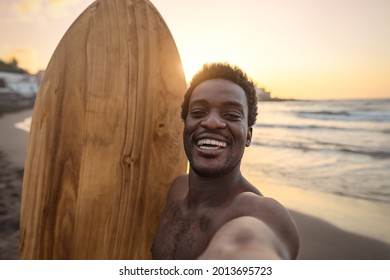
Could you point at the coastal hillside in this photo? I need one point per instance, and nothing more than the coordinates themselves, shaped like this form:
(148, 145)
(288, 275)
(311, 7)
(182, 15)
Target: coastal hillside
(11, 67)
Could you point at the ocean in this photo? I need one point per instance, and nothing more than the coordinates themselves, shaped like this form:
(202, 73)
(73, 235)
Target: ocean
(340, 147)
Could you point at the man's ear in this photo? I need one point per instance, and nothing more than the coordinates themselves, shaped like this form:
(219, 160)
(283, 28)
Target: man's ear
(249, 136)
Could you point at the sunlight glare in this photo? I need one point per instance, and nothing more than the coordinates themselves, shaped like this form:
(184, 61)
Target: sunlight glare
(191, 65)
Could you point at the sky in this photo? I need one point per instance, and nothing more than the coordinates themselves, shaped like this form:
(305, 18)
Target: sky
(303, 49)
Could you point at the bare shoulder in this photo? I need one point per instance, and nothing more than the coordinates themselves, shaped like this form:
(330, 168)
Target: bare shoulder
(178, 188)
(273, 215)
(259, 206)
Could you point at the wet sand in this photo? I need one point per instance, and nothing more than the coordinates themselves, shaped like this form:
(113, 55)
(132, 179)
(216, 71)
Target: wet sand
(13, 144)
(10, 190)
(334, 227)
(331, 227)
(321, 240)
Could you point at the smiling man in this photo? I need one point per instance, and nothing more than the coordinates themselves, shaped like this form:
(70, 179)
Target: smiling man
(214, 212)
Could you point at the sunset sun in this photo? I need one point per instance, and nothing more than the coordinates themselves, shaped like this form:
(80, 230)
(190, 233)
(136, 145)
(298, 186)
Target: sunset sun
(191, 65)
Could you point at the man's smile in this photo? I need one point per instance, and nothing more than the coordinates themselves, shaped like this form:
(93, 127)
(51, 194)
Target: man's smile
(210, 144)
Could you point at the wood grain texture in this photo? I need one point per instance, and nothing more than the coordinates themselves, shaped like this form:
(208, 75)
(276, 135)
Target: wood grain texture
(106, 137)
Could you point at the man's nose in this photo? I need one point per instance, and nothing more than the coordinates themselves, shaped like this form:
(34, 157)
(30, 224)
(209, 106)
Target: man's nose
(213, 121)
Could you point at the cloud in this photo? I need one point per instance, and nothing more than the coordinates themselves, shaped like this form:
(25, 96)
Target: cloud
(39, 10)
(30, 7)
(29, 10)
(59, 8)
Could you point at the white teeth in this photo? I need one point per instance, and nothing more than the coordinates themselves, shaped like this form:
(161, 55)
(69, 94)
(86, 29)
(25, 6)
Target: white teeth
(211, 142)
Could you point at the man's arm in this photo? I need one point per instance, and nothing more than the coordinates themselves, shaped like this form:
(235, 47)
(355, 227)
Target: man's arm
(246, 238)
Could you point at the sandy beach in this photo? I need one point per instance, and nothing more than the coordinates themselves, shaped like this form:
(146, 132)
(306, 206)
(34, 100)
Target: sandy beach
(331, 227)
(13, 144)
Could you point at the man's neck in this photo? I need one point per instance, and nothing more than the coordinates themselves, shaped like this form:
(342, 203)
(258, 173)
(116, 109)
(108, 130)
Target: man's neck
(212, 191)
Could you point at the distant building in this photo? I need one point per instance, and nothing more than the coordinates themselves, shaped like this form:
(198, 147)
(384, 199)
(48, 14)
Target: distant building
(17, 91)
(263, 95)
(21, 83)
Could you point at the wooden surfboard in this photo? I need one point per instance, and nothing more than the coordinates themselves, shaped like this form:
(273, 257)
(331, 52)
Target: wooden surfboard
(106, 137)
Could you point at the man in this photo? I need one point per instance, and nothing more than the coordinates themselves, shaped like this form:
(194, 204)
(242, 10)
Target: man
(214, 212)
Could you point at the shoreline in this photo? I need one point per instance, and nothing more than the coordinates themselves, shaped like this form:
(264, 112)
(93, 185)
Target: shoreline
(359, 216)
(331, 227)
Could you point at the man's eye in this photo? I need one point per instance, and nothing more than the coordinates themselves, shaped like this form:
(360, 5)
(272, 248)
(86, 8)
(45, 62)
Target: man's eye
(197, 114)
(232, 116)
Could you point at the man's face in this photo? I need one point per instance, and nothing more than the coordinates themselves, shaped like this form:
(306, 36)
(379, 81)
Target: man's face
(216, 128)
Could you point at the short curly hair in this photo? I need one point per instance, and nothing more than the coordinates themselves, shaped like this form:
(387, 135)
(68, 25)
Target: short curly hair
(228, 72)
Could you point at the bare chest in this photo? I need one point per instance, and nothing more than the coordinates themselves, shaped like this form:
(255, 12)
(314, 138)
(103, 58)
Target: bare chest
(184, 235)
